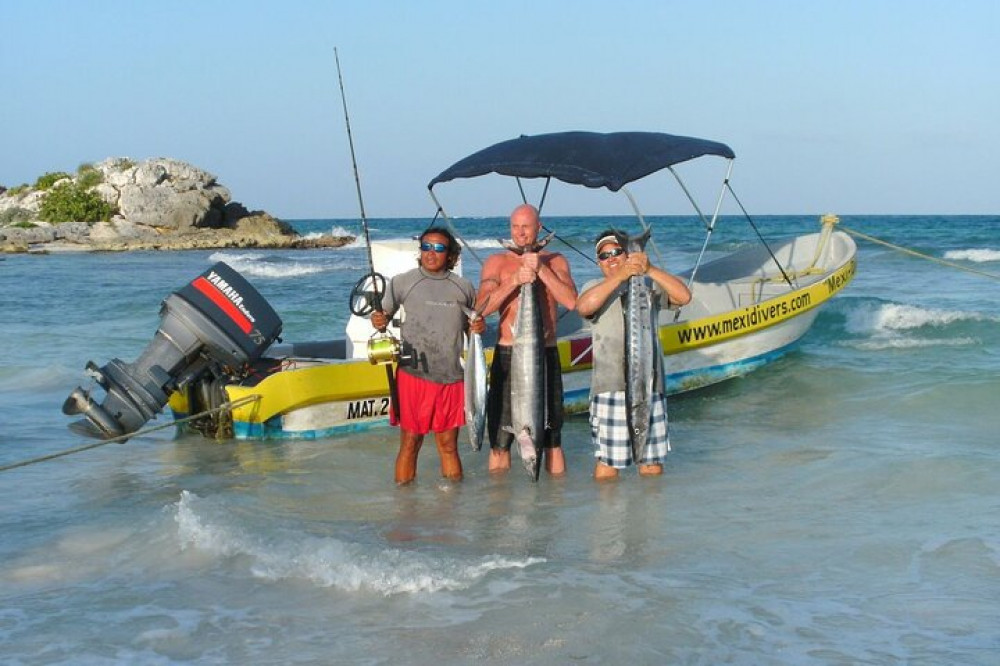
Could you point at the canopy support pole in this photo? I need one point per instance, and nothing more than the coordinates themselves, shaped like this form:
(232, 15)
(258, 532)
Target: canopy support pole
(451, 226)
(710, 223)
(757, 231)
(642, 221)
(710, 226)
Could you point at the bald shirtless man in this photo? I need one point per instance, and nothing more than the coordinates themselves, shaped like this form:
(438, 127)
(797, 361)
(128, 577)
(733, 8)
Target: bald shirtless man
(499, 291)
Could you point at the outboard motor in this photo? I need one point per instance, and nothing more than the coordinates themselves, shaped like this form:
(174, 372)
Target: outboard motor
(219, 317)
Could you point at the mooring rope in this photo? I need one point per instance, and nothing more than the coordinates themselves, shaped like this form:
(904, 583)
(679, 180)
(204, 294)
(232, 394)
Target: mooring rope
(122, 438)
(921, 255)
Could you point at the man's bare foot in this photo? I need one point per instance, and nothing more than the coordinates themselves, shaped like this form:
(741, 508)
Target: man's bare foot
(499, 461)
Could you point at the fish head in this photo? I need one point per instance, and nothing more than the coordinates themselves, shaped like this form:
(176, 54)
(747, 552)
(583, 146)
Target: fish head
(638, 243)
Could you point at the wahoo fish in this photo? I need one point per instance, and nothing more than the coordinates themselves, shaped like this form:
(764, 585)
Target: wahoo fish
(643, 356)
(527, 373)
(475, 385)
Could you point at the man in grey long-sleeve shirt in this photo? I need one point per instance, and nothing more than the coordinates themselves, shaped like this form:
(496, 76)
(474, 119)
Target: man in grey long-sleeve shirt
(431, 393)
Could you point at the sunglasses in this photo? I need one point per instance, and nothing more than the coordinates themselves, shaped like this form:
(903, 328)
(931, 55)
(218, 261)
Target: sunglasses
(437, 247)
(607, 254)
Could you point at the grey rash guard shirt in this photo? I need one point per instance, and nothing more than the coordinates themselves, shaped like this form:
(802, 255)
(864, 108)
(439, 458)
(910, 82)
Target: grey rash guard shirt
(434, 323)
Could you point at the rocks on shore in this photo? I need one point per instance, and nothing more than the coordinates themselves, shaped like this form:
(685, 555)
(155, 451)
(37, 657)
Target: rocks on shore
(160, 204)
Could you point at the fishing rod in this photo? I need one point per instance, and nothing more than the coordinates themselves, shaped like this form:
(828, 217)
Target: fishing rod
(366, 296)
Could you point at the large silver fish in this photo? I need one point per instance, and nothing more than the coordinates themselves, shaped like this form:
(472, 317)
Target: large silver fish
(527, 373)
(475, 386)
(643, 357)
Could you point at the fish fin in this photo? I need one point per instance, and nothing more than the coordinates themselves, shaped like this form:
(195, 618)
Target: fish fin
(545, 241)
(526, 446)
(472, 313)
(638, 243)
(529, 453)
(510, 245)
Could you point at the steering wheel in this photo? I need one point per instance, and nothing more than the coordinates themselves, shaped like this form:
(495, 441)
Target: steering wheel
(367, 294)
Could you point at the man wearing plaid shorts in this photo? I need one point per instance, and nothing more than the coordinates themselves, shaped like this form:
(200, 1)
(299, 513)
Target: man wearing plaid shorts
(601, 303)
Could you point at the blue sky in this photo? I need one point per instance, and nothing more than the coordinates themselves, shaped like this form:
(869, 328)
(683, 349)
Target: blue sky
(846, 106)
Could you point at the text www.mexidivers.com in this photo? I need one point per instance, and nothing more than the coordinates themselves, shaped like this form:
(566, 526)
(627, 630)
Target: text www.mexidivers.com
(757, 316)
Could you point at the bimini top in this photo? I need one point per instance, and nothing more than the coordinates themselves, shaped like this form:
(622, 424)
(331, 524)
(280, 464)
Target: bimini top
(584, 158)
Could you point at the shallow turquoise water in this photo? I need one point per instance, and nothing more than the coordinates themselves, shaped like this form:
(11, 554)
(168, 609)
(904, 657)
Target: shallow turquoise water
(837, 507)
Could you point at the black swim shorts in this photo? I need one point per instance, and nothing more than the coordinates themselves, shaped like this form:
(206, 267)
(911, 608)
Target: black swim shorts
(498, 400)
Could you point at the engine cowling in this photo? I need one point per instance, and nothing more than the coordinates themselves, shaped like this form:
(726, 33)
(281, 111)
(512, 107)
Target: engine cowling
(218, 316)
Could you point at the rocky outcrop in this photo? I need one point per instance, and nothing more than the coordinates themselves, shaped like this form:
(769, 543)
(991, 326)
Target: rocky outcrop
(159, 204)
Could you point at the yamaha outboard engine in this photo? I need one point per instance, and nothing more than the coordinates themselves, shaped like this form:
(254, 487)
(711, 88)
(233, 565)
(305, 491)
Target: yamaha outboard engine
(219, 317)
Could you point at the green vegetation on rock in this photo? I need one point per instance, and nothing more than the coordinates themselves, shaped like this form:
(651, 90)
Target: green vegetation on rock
(87, 176)
(71, 202)
(47, 180)
(15, 217)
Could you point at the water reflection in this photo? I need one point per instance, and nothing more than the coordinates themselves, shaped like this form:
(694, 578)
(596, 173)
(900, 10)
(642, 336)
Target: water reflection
(629, 515)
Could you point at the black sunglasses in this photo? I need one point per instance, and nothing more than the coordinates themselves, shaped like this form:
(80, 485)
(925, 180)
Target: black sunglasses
(437, 247)
(607, 254)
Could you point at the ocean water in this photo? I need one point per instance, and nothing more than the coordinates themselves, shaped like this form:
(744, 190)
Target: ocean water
(840, 506)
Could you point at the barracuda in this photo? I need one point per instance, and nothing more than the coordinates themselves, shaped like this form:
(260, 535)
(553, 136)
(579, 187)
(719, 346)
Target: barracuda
(527, 372)
(643, 357)
(475, 386)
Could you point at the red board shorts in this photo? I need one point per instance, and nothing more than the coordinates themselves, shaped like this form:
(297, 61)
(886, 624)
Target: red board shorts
(426, 406)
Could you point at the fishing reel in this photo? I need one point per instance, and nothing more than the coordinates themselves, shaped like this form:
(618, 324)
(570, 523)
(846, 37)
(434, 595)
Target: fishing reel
(384, 348)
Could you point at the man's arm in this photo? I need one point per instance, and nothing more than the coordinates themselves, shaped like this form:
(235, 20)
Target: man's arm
(677, 291)
(554, 274)
(593, 299)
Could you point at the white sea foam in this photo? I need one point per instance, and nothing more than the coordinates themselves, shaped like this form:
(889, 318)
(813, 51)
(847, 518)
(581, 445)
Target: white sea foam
(336, 232)
(359, 241)
(329, 562)
(281, 270)
(488, 243)
(230, 257)
(257, 265)
(979, 256)
(881, 326)
(887, 318)
(900, 342)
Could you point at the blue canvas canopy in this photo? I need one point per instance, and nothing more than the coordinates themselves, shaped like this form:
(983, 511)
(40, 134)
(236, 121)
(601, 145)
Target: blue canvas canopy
(591, 159)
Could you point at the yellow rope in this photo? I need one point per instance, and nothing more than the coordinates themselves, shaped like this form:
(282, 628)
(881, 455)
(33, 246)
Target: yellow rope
(122, 438)
(904, 250)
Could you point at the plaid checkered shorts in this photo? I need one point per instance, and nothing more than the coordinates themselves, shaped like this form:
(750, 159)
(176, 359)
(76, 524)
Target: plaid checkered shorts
(609, 430)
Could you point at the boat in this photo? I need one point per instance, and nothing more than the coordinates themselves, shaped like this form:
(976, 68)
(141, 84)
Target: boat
(747, 309)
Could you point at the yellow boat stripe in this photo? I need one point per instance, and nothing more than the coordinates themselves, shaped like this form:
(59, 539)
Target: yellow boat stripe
(711, 330)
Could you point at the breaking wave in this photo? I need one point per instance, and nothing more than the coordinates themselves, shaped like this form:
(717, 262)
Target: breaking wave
(336, 232)
(880, 325)
(978, 256)
(876, 318)
(260, 265)
(475, 243)
(487, 243)
(328, 562)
